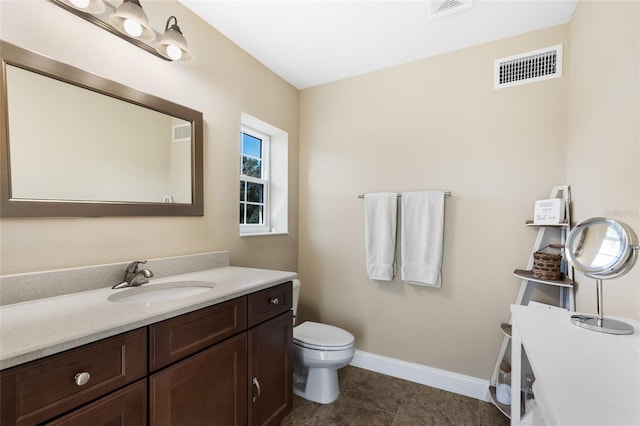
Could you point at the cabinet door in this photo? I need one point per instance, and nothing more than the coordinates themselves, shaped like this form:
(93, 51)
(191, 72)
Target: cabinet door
(127, 406)
(271, 370)
(208, 388)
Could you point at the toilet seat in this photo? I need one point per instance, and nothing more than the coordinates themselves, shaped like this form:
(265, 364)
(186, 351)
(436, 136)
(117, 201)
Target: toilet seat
(313, 335)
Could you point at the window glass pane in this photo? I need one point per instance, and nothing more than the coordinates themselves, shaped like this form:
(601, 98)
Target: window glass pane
(251, 167)
(254, 214)
(242, 190)
(255, 192)
(251, 146)
(241, 213)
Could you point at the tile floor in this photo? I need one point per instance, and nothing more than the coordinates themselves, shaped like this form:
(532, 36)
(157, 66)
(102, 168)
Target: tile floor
(372, 399)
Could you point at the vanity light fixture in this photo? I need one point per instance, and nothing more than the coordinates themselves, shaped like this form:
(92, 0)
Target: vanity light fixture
(95, 7)
(129, 22)
(172, 44)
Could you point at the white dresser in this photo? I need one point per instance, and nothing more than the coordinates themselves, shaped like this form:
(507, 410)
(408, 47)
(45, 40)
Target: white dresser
(582, 377)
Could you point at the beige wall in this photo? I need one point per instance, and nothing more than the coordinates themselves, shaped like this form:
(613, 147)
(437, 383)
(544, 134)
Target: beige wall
(438, 124)
(603, 136)
(221, 81)
(435, 124)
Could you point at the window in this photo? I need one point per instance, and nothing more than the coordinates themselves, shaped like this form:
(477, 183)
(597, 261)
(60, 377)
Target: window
(254, 179)
(264, 178)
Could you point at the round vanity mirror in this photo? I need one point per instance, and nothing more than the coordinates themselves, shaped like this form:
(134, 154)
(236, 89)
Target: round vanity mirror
(602, 248)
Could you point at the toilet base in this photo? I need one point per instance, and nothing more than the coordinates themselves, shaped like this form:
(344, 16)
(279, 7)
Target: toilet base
(317, 384)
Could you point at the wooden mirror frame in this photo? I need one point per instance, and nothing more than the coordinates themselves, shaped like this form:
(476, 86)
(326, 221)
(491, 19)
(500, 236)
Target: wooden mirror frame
(10, 207)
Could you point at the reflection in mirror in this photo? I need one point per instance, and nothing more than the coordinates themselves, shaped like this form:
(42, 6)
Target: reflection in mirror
(100, 158)
(597, 247)
(75, 144)
(602, 248)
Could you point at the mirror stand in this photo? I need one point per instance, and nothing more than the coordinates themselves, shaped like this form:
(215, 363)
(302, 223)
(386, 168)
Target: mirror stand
(602, 248)
(599, 322)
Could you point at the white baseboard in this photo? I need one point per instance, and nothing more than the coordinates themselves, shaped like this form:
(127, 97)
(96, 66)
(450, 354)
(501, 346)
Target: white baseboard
(434, 377)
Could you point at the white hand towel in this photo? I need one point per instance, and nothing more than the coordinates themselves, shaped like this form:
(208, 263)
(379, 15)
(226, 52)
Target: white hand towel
(422, 223)
(380, 218)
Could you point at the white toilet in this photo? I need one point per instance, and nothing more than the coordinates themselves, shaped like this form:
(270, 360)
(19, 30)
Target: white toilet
(318, 351)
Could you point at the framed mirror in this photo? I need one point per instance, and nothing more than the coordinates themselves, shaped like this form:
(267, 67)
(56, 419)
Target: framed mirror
(75, 144)
(602, 249)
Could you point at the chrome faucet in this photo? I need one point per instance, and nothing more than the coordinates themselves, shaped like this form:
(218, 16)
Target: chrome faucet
(133, 276)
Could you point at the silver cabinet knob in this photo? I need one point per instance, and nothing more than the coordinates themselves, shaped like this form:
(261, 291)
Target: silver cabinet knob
(274, 301)
(82, 379)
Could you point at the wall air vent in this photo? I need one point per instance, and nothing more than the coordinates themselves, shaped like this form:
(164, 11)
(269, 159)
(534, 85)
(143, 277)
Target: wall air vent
(438, 8)
(181, 132)
(528, 67)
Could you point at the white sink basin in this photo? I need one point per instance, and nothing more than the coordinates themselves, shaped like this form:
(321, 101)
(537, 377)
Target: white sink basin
(154, 293)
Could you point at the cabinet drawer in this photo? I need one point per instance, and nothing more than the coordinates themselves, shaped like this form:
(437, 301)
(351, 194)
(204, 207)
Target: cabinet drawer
(37, 391)
(268, 303)
(182, 336)
(127, 406)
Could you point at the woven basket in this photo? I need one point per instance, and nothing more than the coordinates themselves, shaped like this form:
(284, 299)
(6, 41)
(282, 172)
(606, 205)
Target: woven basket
(546, 266)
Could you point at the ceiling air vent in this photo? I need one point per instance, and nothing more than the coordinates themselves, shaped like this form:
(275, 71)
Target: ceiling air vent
(528, 67)
(438, 8)
(182, 132)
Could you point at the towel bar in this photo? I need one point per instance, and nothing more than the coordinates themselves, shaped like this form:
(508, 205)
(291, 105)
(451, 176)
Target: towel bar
(447, 194)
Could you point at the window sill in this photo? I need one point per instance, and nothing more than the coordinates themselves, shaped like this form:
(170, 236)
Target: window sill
(263, 234)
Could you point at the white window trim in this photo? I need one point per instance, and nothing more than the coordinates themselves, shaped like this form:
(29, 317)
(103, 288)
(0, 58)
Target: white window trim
(264, 180)
(276, 213)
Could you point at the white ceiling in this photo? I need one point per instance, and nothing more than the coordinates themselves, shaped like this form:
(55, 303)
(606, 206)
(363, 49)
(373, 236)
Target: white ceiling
(311, 42)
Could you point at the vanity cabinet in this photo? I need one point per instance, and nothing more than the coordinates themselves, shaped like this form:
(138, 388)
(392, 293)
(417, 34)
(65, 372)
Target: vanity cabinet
(270, 363)
(271, 370)
(234, 363)
(208, 388)
(227, 364)
(40, 390)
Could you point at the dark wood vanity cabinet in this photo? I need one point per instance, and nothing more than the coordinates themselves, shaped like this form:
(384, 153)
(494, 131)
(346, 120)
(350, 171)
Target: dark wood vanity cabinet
(270, 364)
(227, 364)
(271, 370)
(208, 388)
(208, 383)
(223, 380)
(41, 390)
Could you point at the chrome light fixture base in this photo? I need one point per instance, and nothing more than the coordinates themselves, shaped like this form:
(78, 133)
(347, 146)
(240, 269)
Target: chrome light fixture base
(602, 325)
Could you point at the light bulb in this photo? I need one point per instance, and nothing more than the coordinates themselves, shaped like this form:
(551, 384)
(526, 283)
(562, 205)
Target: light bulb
(81, 4)
(133, 28)
(174, 52)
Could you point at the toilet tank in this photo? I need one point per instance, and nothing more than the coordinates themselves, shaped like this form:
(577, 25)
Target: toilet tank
(296, 295)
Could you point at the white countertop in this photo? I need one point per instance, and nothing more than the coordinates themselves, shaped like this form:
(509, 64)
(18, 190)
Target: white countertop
(583, 377)
(35, 329)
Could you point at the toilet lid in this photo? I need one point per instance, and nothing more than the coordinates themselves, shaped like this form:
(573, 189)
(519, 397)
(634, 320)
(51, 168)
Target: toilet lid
(314, 334)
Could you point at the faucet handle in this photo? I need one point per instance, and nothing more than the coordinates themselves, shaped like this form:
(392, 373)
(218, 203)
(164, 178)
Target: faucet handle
(132, 268)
